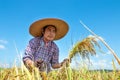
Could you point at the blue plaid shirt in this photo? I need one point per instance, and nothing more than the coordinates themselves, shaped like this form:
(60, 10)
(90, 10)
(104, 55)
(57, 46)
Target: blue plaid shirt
(36, 50)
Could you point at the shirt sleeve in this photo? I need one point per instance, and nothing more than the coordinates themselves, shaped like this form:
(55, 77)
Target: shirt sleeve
(30, 50)
(55, 57)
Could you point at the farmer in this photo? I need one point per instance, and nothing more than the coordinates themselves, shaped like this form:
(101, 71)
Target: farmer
(41, 51)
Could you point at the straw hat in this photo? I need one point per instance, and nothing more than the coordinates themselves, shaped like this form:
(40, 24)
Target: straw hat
(61, 26)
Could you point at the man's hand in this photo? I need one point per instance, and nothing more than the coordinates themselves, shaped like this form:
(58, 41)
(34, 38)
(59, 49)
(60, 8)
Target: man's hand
(65, 62)
(38, 63)
(29, 62)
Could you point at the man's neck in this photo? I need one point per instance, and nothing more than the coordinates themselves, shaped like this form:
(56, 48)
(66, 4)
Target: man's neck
(46, 41)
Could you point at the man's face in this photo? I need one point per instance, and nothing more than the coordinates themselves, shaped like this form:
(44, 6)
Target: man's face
(49, 33)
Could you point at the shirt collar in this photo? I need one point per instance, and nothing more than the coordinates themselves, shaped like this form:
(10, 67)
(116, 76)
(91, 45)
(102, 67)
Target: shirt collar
(43, 43)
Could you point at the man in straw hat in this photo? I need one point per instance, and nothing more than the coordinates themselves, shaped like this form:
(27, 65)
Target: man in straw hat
(41, 50)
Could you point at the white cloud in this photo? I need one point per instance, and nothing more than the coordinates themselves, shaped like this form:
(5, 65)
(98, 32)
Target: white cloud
(108, 52)
(3, 41)
(4, 65)
(94, 64)
(96, 55)
(2, 46)
(101, 64)
(104, 64)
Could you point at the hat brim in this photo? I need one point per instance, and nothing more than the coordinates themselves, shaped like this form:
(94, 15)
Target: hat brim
(61, 26)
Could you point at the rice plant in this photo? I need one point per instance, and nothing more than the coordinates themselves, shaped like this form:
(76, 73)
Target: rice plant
(85, 47)
(60, 74)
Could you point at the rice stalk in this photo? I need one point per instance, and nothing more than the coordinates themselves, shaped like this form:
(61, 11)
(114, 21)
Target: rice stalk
(6, 75)
(27, 72)
(109, 48)
(16, 70)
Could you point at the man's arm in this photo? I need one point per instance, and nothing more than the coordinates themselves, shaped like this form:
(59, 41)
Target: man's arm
(58, 65)
(55, 66)
(29, 51)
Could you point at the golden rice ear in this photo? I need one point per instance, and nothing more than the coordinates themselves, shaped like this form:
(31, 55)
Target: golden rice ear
(84, 48)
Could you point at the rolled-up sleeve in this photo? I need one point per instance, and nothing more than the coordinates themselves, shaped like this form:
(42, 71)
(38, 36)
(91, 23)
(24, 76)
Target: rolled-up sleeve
(30, 50)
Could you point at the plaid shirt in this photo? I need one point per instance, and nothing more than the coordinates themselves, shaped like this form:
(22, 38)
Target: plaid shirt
(36, 50)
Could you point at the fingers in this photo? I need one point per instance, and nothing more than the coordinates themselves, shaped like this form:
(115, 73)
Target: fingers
(29, 62)
(65, 62)
(38, 63)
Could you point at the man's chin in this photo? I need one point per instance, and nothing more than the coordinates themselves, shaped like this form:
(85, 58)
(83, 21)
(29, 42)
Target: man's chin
(50, 39)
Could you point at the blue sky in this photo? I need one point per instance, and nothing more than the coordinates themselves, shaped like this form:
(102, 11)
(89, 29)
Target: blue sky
(102, 16)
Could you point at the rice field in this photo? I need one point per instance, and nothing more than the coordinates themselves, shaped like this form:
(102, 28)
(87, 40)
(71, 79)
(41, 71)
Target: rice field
(64, 73)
